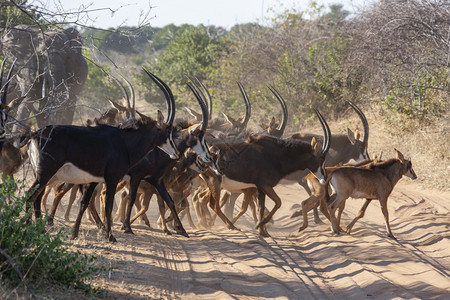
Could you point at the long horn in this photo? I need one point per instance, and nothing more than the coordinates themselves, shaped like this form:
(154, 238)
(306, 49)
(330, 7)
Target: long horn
(248, 106)
(284, 116)
(208, 96)
(202, 105)
(167, 93)
(363, 120)
(326, 132)
(122, 88)
(133, 97)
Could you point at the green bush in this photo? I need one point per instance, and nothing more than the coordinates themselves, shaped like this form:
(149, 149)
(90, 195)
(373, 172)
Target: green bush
(43, 257)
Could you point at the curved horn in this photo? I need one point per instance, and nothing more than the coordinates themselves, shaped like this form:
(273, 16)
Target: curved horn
(202, 105)
(208, 95)
(284, 116)
(133, 97)
(326, 132)
(363, 120)
(167, 93)
(248, 107)
(122, 88)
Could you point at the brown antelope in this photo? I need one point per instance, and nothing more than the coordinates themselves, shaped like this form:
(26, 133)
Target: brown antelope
(91, 155)
(343, 148)
(319, 193)
(373, 182)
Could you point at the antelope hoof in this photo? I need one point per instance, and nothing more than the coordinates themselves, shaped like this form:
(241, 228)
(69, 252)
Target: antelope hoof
(296, 214)
(263, 233)
(181, 231)
(50, 221)
(259, 225)
(301, 228)
(319, 221)
(390, 235)
(232, 227)
(336, 231)
(148, 224)
(112, 239)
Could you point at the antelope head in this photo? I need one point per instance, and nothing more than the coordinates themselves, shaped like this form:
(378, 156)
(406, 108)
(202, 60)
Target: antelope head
(276, 128)
(354, 137)
(407, 169)
(241, 122)
(167, 125)
(199, 130)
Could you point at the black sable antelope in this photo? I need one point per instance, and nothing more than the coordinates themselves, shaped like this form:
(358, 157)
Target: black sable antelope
(262, 161)
(155, 166)
(83, 155)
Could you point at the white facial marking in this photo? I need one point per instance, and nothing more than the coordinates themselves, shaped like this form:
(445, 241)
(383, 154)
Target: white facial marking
(202, 151)
(169, 148)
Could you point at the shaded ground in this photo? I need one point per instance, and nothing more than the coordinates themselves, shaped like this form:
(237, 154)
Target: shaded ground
(314, 264)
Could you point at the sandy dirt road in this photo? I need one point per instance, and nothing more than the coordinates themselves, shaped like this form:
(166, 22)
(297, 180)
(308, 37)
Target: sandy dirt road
(314, 264)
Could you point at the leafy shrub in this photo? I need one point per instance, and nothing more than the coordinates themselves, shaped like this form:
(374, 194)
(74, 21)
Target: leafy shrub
(41, 256)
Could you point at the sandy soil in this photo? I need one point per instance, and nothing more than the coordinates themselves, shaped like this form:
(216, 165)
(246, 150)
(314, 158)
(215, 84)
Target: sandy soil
(313, 264)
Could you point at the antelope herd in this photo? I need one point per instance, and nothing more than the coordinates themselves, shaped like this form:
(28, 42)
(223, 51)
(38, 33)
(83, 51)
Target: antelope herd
(194, 161)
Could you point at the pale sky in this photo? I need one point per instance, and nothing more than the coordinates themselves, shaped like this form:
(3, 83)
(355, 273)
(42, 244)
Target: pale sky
(159, 13)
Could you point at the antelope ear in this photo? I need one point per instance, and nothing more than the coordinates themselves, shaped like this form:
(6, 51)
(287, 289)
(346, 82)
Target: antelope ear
(264, 126)
(399, 155)
(229, 119)
(117, 105)
(357, 134)
(379, 158)
(160, 119)
(272, 122)
(193, 113)
(351, 136)
(315, 146)
(194, 128)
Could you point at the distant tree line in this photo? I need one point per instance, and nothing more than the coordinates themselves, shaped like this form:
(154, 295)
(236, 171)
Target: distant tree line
(393, 54)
